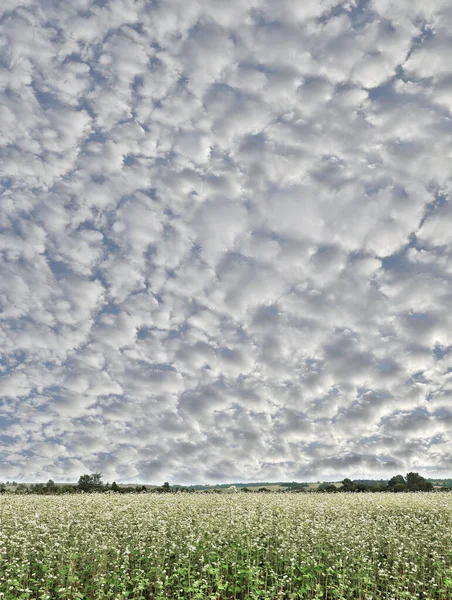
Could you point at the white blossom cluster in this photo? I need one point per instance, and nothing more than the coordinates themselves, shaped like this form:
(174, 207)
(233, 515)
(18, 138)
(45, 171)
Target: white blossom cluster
(365, 546)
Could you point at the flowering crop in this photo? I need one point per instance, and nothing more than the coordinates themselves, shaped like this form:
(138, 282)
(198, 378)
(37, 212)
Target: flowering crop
(143, 547)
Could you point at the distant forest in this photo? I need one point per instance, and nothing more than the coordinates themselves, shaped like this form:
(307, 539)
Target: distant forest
(88, 483)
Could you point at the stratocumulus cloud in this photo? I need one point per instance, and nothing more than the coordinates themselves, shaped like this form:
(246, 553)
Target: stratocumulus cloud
(225, 249)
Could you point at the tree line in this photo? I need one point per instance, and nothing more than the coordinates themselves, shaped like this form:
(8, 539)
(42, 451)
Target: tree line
(88, 483)
(413, 482)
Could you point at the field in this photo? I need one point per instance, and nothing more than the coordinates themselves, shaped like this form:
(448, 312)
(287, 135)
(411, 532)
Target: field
(343, 546)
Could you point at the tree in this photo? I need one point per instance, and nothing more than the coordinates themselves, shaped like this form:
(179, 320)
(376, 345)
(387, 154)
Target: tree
(50, 485)
(85, 482)
(347, 485)
(166, 486)
(327, 487)
(395, 480)
(399, 487)
(66, 489)
(415, 482)
(97, 480)
(361, 487)
(379, 487)
(90, 483)
(115, 487)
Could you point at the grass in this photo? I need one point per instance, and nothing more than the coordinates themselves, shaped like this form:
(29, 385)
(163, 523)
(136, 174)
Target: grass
(304, 546)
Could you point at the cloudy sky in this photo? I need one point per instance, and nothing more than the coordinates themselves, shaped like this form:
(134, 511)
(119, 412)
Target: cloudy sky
(225, 239)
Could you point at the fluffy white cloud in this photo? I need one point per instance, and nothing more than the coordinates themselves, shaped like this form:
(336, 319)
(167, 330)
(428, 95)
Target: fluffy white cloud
(225, 247)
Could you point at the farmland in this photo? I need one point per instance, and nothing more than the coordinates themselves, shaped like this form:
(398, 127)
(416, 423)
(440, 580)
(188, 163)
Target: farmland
(93, 546)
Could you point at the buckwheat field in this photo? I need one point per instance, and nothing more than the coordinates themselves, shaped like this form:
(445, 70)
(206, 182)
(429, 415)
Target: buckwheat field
(345, 546)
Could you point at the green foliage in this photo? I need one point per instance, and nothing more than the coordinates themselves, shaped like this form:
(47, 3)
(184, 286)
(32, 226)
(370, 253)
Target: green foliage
(348, 485)
(327, 487)
(21, 489)
(93, 483)
(90, 483)
(295, 486)
(397, 479)
(399, 487)
(415, 482)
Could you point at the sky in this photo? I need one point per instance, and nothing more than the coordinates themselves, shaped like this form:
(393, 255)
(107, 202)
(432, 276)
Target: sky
(225, 248)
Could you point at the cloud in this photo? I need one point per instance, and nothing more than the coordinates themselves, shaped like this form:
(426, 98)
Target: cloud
(225, 245)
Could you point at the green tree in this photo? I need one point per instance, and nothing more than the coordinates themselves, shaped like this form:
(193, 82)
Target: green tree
(361, 487)
(85, 482)
(399, 487)
(97, 480)
(90, 483)
(37, 488)
(327, 487)
(115, 487)
(416, 483)
(347, 485)
(379, 487)
(66, 489)
(395, 480)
